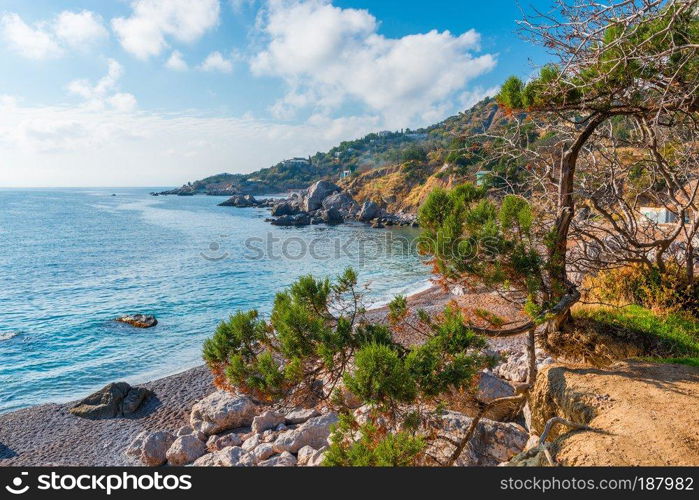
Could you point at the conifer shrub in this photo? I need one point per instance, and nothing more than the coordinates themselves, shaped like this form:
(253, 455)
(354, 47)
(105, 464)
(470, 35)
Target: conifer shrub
(318, 343)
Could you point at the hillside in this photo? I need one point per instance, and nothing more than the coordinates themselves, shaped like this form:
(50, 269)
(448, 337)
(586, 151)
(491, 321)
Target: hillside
(395, 169)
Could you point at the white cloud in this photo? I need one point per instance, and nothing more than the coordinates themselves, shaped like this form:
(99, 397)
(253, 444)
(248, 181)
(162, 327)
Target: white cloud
(50, 39)
(123, 102)
(216, 62)
(330, 56)
(104, 92)
(152, 22)
(32, 42)
(79, 28)
(176, 61)
(80, 146)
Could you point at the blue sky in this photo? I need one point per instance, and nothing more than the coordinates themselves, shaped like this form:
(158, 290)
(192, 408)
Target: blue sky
(159, 92)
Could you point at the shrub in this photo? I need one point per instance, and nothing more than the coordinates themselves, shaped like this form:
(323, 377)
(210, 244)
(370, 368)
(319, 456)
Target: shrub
(667, 291)
(373, 448)
(318, 338)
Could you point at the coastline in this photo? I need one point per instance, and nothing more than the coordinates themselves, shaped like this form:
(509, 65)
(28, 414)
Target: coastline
(48, 435)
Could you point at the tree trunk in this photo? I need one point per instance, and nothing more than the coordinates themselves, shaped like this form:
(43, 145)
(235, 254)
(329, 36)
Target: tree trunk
(690, 263)
(566, 210)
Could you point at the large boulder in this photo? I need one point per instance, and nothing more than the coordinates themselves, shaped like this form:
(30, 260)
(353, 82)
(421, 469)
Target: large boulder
(134, 399)
(240, 201)
(332, 216)
(185, 450)
(492, 442)
(285, 208)
(139, 320)
(117, 399)
(302, 219)
(222, 411)
(368, 211)
(313, 433)
(317, 193)
(151, 448)
(341, 201)
(266, 420)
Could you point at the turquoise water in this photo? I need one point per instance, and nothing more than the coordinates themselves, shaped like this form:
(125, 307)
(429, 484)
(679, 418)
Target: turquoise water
(73, 260)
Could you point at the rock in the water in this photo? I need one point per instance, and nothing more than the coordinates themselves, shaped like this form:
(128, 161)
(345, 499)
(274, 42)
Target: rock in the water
(240, 201)
(332, 216)
(313, 433)
(227, 457)
(341, 201)
(492, 443)
(185, 450)
(300, 415)
(114, 400)
(139, 320)
(284, 460)
(368, 211)
(285, 208)
(217, 443)
(317, 193)
(222, 411)
(151, 448)
(266, 420)
(302, 219)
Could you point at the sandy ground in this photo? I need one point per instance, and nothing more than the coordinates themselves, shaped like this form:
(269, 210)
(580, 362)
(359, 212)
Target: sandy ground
(50, 436)
(648, 414)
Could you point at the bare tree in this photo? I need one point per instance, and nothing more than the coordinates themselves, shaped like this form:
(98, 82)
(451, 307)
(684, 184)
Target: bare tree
(632, 64)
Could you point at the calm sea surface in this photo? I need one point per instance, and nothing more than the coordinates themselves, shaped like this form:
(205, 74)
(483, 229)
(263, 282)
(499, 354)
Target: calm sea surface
(72, 260)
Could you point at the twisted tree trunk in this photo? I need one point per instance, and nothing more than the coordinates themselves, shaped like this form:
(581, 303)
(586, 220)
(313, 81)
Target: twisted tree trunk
(557, 257)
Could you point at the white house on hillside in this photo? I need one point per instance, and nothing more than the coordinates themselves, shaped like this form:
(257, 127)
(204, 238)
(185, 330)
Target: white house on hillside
(297, 162)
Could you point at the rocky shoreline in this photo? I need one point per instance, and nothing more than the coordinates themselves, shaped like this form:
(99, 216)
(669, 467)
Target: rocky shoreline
(180, 423)
(322, 203)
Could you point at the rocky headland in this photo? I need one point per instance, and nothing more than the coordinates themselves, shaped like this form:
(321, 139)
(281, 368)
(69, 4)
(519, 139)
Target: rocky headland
(322, 203)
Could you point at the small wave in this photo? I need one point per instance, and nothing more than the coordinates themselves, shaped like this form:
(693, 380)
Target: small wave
(407, 290)
(7, 335)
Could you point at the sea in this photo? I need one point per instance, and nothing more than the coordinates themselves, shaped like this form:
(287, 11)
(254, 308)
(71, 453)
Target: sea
(73, 260)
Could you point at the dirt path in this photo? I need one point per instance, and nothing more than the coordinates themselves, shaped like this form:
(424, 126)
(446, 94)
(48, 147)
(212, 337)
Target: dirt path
(649, 414)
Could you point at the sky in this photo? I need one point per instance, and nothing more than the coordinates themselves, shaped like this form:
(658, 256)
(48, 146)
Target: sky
(161, 92)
